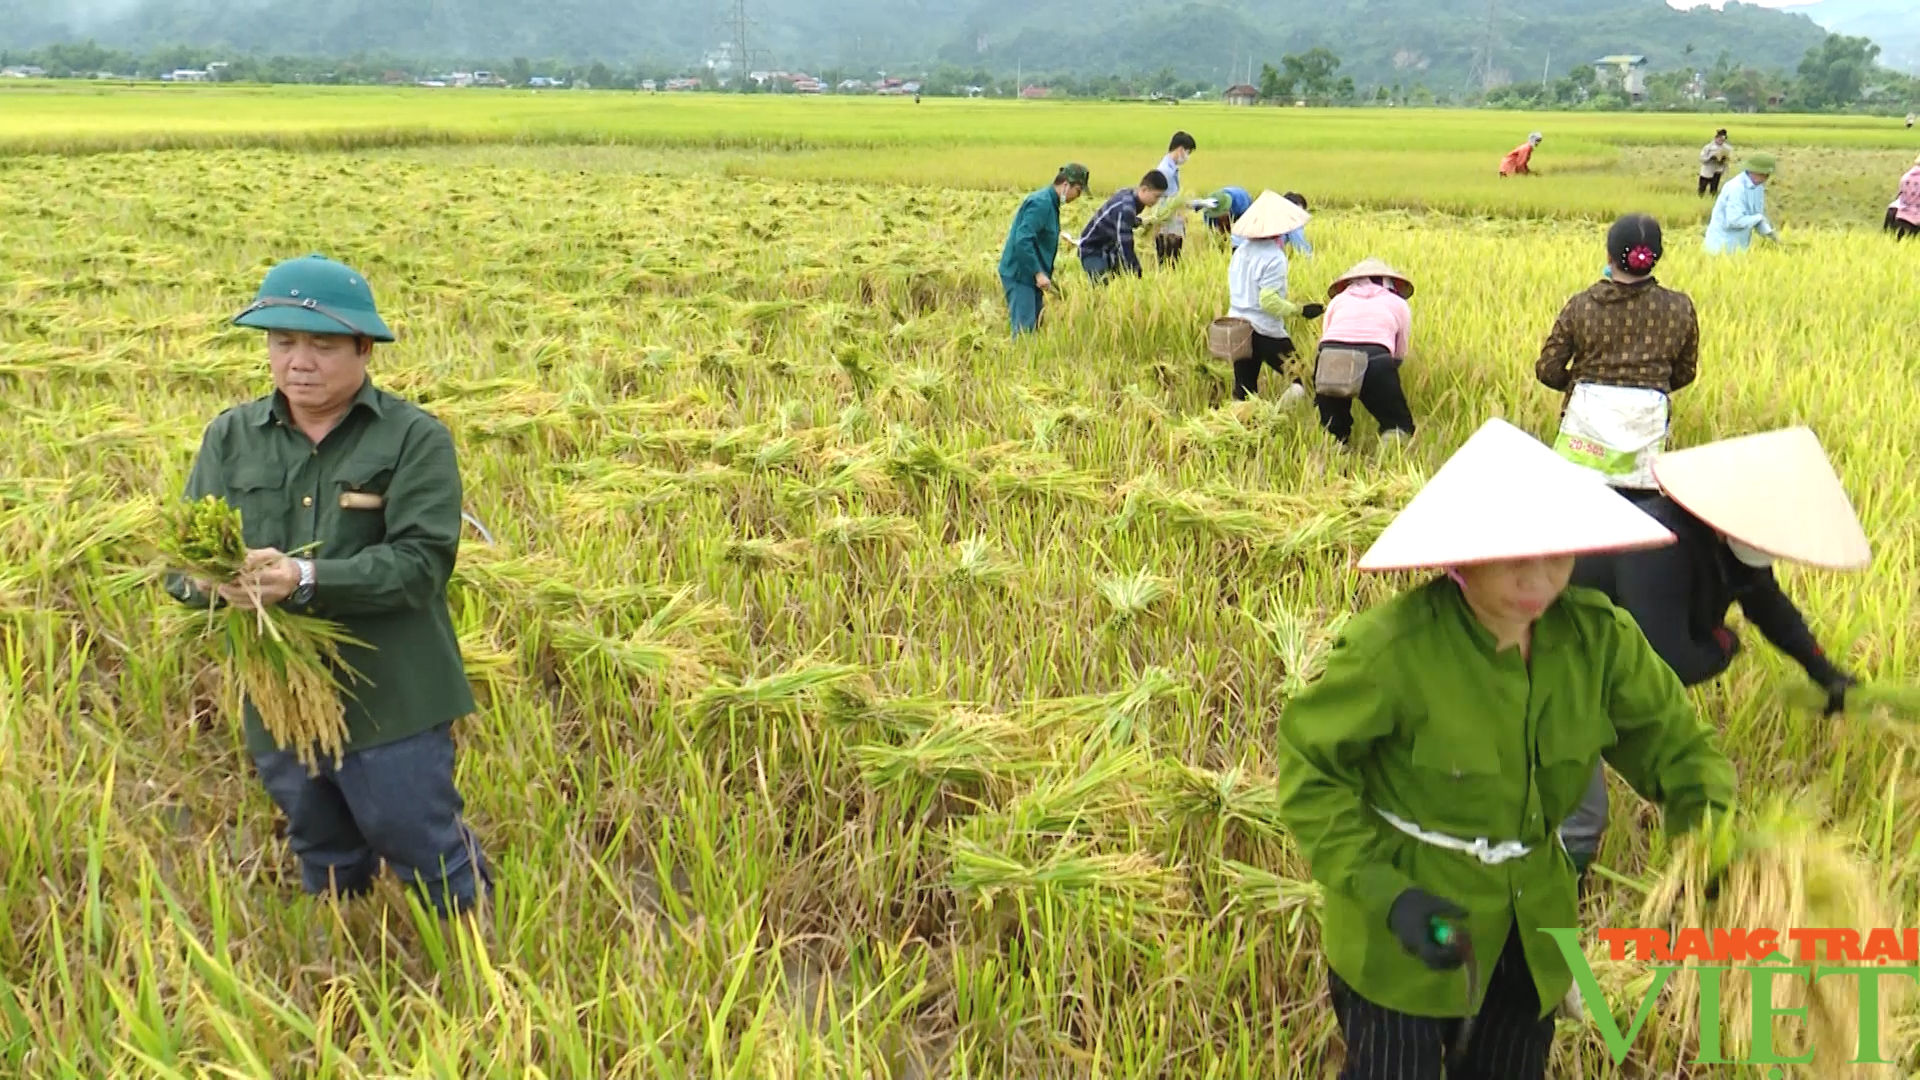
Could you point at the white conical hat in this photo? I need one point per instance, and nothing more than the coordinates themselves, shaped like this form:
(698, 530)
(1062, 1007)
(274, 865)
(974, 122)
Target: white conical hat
(1775, 491)
(1505, 495)
(1270, 215)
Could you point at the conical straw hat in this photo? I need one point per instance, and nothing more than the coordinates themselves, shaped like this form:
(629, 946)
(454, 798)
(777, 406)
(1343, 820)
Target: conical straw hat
(1775, 491)
(1270, 215)
(1371, 268)
(1505, 495)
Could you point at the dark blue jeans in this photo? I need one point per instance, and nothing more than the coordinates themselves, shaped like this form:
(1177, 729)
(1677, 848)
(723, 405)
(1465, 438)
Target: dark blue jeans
(395, 803)
(1023, 306)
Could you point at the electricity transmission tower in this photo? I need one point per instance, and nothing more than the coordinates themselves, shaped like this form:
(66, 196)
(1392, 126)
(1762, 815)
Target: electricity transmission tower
(1482, 73)
(739, 24)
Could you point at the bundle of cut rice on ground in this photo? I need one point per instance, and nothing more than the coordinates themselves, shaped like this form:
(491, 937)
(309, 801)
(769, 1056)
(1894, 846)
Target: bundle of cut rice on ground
(1783, 874)
(288, 664)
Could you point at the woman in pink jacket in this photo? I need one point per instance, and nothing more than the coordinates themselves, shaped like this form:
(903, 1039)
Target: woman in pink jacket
(1903, 217)
(1367, 311)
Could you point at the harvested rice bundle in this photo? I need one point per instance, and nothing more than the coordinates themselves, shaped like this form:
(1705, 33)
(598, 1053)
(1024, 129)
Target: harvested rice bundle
(1781, 873)
(288, 664)
(1889, 701)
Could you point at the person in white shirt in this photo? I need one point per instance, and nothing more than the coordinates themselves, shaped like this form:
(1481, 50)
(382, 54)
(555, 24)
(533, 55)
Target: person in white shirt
(1171, 224)
(1714, 158)
(1257, 292)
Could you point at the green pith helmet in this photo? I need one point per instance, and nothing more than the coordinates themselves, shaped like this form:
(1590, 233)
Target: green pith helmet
(1760, 163)
(317, 295)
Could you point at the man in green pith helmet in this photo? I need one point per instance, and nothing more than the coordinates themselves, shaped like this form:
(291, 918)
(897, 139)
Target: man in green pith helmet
(350, 502)
(1033, 241)
(1741, 209)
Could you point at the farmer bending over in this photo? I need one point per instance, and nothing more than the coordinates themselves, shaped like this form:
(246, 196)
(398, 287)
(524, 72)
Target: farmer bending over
(1741, 209)
(1106, 244)
(1519, 160)
(1455, 726)
(1257, 292)
(1618, 351)
(1367, 310)
(370, 484)
(1735, 507)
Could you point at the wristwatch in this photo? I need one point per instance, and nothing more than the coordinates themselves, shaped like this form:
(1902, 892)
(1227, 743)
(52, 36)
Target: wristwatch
(303, 592)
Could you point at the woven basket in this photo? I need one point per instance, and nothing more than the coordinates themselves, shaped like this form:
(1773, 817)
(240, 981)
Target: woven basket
(1230, 338)
(1340, 372)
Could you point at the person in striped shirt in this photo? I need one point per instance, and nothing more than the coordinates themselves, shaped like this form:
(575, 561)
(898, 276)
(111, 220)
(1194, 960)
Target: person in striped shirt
(1106, 244)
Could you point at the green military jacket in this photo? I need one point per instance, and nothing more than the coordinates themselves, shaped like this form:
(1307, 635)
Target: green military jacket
(1417, 715)
(1033, 241)
(381, 498)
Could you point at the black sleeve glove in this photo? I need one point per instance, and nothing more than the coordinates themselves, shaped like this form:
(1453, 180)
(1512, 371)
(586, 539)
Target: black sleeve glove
(1837, 688)
(1411, 919)
(1313, 311)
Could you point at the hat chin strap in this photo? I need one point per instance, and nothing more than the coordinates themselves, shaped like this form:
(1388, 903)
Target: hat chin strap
(306, 305)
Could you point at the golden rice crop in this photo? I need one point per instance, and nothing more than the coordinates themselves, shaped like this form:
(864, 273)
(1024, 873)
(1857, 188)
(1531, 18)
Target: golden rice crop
(1783, 872)
(831, 639)
(288, 664)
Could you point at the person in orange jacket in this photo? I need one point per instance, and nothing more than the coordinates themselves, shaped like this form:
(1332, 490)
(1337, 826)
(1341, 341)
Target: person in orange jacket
(1517, 161)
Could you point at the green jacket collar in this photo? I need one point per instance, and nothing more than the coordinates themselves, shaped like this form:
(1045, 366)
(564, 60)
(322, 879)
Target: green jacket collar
(1448, 598)
(368, 396)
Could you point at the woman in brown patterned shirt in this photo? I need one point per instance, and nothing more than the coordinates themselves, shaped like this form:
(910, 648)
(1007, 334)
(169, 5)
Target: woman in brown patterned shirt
(1618, 350)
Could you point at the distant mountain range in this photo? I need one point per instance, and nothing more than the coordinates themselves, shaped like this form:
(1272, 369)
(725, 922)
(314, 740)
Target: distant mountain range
(1435, 43)
(1893, 24)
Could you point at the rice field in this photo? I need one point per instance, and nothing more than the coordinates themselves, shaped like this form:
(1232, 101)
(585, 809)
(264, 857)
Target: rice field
(863, 693)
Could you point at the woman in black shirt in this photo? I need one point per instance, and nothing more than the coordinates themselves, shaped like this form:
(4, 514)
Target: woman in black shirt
(1735, 506)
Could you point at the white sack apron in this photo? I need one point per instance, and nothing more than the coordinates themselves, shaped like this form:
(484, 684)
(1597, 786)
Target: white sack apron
(1616, 431)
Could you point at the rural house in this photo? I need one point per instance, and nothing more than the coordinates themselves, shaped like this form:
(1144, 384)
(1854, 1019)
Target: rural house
(1242, 94)
(1628, 73)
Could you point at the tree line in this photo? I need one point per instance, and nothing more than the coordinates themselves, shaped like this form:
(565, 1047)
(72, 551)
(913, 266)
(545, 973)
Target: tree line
(1839, 74)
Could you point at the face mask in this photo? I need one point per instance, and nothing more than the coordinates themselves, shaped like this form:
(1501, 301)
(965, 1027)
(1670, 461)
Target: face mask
(1759, 560)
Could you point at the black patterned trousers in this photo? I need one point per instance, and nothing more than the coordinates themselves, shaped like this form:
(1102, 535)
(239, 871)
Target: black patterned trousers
(1510, 1039)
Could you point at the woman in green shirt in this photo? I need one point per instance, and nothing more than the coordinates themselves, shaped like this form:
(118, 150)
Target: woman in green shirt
(1425, 773)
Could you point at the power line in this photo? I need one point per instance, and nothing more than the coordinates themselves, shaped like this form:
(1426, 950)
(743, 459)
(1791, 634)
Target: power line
(739, 26)
(1481, 75)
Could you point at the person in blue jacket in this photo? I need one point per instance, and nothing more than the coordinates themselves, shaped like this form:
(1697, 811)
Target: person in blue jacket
(1223, 207)
(1741, 209)
(1026, 260)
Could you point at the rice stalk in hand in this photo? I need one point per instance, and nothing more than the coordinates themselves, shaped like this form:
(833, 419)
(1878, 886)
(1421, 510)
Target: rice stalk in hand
(1781, 873)
(1879, 700)
(287, 663)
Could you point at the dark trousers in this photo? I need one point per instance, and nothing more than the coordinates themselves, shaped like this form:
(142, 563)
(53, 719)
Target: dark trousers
(1267, 351)
(1900, 229)
(1168, 247)
(1380, 393)
(1023, 306)
(1510, 1039)
(1101, 264)
(1710, 185)
(394, 803)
